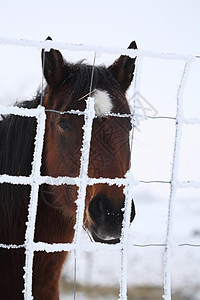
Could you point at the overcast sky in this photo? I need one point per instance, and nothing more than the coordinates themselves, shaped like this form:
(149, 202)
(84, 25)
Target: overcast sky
(169, 26)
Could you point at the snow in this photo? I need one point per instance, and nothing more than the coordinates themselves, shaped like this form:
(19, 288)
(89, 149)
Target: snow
(145, 264)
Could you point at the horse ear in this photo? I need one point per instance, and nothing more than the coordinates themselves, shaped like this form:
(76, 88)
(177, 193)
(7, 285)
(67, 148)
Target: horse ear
(53, 65)
(123, 68)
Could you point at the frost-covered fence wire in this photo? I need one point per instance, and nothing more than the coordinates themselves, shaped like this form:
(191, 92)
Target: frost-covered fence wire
(173, 182)
(35, 179)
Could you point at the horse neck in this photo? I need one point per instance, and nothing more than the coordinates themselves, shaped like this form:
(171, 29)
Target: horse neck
(16, 154)
(51, 227)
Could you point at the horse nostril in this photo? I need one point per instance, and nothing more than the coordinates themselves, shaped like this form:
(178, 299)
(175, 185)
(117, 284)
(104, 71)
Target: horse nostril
(96, 208)
(132, 212)
(99, 209)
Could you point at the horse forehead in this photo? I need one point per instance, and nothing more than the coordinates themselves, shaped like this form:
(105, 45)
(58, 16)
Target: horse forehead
(102, 102)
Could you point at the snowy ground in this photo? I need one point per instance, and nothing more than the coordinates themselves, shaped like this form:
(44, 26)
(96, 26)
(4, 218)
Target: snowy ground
(145, 265)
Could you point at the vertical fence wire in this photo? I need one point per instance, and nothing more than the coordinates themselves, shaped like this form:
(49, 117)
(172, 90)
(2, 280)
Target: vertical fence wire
(136, 91)
(128, 190)
(32, 209)
(83, 175)
(42, 80)
(173, 182)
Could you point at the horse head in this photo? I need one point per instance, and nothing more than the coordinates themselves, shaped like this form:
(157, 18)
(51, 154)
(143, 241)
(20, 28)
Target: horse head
(67, 89)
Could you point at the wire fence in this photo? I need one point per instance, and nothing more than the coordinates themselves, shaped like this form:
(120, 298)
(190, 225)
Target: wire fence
(35, 179)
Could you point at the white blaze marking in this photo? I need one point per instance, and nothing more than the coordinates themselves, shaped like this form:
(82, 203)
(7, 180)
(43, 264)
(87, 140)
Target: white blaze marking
(102, 102)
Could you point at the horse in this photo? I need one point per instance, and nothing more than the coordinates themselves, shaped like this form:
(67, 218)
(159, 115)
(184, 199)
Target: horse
(67, 87)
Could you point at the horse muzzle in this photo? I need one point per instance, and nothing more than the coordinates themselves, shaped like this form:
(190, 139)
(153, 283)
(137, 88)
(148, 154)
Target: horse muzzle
(105, 220)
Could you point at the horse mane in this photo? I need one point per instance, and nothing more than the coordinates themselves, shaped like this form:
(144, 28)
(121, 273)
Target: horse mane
(17, 135)
(17, 141)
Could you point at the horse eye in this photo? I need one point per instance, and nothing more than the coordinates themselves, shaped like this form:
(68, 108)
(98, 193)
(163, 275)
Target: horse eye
(65, 124)
(103, 119)
(129, 128)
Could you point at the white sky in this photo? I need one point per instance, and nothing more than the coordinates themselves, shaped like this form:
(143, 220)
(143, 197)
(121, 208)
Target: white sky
(169, 26)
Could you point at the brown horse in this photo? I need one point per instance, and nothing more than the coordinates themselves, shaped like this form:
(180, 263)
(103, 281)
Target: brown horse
(67, 88)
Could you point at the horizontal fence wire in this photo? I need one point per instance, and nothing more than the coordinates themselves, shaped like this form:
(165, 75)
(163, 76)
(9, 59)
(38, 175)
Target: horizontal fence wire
(35, 179)
(93, 48)
(58, 247)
